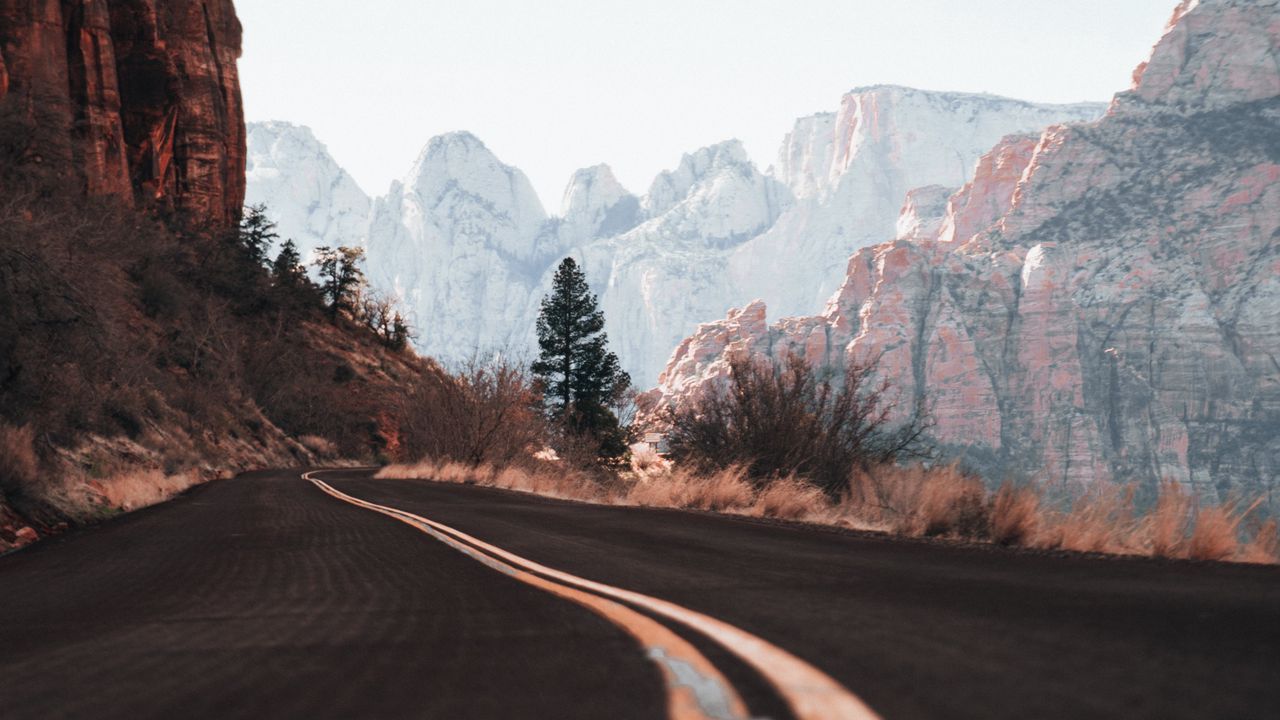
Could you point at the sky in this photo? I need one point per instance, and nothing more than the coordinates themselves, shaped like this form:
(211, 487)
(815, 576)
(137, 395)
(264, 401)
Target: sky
(558, 85)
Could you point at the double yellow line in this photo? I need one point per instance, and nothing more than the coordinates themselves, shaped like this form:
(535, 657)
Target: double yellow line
(696, 690)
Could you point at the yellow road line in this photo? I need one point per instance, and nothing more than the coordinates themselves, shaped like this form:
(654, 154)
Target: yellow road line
(811, 693)
(695, 688)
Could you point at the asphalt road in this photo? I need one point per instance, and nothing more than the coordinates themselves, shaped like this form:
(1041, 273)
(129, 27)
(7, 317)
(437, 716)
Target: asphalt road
(267, 596)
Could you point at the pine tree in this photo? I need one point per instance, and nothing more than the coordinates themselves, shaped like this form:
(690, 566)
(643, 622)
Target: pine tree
(287, 266)
(579, 375)
(257, 233)
(341, 279)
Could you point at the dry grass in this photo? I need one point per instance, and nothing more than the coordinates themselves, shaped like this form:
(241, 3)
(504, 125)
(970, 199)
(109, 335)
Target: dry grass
(791, 498)
(1168, 520)
(539, 478)
(911, 501)
(321, 447)
(1015, 515)
(1216, 535)
(19, 466)
(1264, 547)
(1100, 522)
(646, 462)
(142, 488)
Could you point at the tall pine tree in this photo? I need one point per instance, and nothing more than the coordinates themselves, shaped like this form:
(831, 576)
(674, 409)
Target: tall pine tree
(579, 375)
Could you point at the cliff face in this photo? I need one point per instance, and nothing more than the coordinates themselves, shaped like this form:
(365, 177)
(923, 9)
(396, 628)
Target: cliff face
(134, 98)
(1100, 303)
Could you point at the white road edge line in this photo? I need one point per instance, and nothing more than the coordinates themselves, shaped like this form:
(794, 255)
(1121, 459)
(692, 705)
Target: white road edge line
(696, 690)
(811, 693)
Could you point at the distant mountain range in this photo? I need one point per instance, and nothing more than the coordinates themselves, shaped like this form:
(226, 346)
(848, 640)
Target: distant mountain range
(465, 242)
(1100, 302)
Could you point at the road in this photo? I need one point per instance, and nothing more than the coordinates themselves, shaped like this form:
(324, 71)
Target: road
(271, 595)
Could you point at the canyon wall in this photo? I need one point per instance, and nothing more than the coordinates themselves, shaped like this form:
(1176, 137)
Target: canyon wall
(138, 99)
(1100, 302)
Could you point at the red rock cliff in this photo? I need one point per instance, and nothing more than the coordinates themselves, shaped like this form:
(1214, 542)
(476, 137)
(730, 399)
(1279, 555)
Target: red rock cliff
(133, 98)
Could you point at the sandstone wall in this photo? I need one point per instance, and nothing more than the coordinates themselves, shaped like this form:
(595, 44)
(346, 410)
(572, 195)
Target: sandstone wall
(138, 99)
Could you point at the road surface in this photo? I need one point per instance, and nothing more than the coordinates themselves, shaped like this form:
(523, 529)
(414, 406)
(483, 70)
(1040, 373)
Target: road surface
(272, 595)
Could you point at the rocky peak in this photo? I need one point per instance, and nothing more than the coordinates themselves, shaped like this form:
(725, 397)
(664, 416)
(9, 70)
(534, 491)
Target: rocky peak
(804, 160)
(312, 199)
(923, 212)
(458, 168)
(695, 171)
(1215, 53)
(595, 205)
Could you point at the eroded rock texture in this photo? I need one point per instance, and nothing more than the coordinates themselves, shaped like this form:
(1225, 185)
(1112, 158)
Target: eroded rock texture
(132, 98)
(1099, 303)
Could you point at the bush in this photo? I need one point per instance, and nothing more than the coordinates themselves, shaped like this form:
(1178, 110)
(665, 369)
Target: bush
(792, 419)
(485, 413)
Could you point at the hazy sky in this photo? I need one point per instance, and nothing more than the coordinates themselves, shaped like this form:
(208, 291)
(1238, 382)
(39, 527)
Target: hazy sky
(556, 85)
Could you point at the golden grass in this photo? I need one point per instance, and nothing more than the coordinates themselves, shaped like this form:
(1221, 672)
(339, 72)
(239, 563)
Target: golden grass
(912, 501)
(538, 478)
(19, 467)
(321, 447)
(137, 489)
(1015, 515)
(1167, 522)
(791, 498)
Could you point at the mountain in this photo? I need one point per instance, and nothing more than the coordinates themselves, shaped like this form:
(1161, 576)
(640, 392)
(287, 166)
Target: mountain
(312, 200)
(1100, 301)
(465, 243)
(850, 170)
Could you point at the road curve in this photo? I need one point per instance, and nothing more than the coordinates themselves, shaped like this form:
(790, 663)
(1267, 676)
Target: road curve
(265, 595)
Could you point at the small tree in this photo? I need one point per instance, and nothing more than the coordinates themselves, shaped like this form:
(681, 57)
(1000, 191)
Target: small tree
(287, 266)
(341, 279)
(257, 233)
(578, 374)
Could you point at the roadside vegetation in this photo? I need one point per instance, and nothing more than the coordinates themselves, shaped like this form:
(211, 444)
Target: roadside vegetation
(791, 443)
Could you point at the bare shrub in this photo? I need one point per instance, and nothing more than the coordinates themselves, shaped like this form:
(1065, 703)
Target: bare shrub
(1015, 515)
(19, 466)
(780, 420)
(485, 412)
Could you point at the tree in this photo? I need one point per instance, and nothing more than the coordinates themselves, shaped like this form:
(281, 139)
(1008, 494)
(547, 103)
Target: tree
(287, 266)
(257, 233)
(579, 376)
(341, 279)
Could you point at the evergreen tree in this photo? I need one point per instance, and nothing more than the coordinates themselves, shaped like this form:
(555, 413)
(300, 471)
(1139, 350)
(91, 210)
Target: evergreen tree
(287, 266)
(400, 333)
(257, 233)
(580, 377)
(341, 278)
